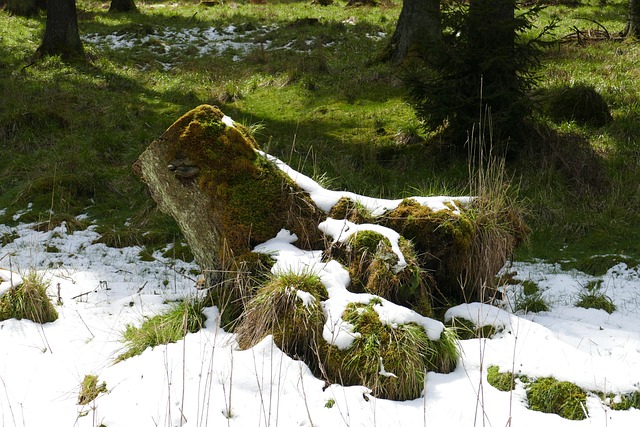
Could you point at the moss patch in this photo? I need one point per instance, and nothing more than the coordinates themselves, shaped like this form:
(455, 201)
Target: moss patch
(503, 381)
(90, 389)
(466, 329)
(391, 361)
(28, 300)
(352, 211)
(557, 397)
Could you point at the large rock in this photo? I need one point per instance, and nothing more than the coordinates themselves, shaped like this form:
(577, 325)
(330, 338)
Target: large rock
(226, 197)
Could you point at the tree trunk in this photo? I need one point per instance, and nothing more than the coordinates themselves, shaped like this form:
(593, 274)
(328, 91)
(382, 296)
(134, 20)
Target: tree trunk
(491, 53)
(417, 29)
(22, 7)
(122, 6)
(61, 35)
(633, 24)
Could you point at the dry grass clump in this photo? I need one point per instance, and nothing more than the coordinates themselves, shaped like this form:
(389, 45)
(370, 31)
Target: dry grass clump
(28, 300)
(391, 361)
(289, 308)
(241, 281)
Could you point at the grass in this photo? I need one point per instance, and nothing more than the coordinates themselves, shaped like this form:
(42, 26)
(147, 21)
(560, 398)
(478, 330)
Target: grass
(28, 300)
(165, 328)
(323, 105)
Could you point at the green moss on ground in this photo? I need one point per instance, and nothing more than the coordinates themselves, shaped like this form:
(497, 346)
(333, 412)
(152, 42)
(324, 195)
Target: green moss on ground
(557, 397)
(503, 381)
(90, 389)
(391, 361)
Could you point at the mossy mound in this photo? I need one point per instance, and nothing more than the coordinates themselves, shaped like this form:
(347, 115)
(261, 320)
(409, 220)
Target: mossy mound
(225, 196)
(579, 102)
(253, 195)
(28, 300)
(392, 361)
(503, 381)
(557, 397)
(289, 308)
(348, 209)
(442, 238)
(373, 268)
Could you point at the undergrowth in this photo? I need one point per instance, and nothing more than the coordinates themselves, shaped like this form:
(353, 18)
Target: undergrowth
(28, 300)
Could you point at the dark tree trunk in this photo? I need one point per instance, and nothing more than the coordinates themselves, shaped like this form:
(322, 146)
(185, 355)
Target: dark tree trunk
(61, 35)
(417, 29)
(491, 53)
(633, 24)
(122, 6)
(22, 7)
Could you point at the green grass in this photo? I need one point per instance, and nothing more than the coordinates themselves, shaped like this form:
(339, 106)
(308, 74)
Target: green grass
(73, 130)
(165, 328)
(90, 389)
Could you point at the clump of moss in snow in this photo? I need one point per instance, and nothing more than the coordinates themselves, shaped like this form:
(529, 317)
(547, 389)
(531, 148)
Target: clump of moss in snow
(388, 354)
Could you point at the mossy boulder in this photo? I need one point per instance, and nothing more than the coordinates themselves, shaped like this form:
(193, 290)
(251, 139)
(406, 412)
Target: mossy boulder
(348, 209)
(226, 197)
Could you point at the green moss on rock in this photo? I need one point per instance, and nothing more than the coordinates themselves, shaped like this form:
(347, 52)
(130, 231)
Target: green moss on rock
(442, 238)
(348, 209)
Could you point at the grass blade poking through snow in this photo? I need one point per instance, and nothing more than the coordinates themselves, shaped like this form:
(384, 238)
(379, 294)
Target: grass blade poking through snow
(183, 317)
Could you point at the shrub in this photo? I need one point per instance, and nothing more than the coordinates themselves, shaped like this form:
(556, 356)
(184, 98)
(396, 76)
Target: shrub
(391, 361)
(480, 60)
(169, 327)
(28, 300)
(557, 397)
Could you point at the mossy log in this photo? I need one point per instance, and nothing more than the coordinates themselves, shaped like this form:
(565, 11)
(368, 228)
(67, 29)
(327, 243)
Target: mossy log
(205, 171)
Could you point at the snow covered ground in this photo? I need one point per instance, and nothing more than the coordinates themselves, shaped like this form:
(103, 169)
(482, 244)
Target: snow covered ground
(204, 380)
